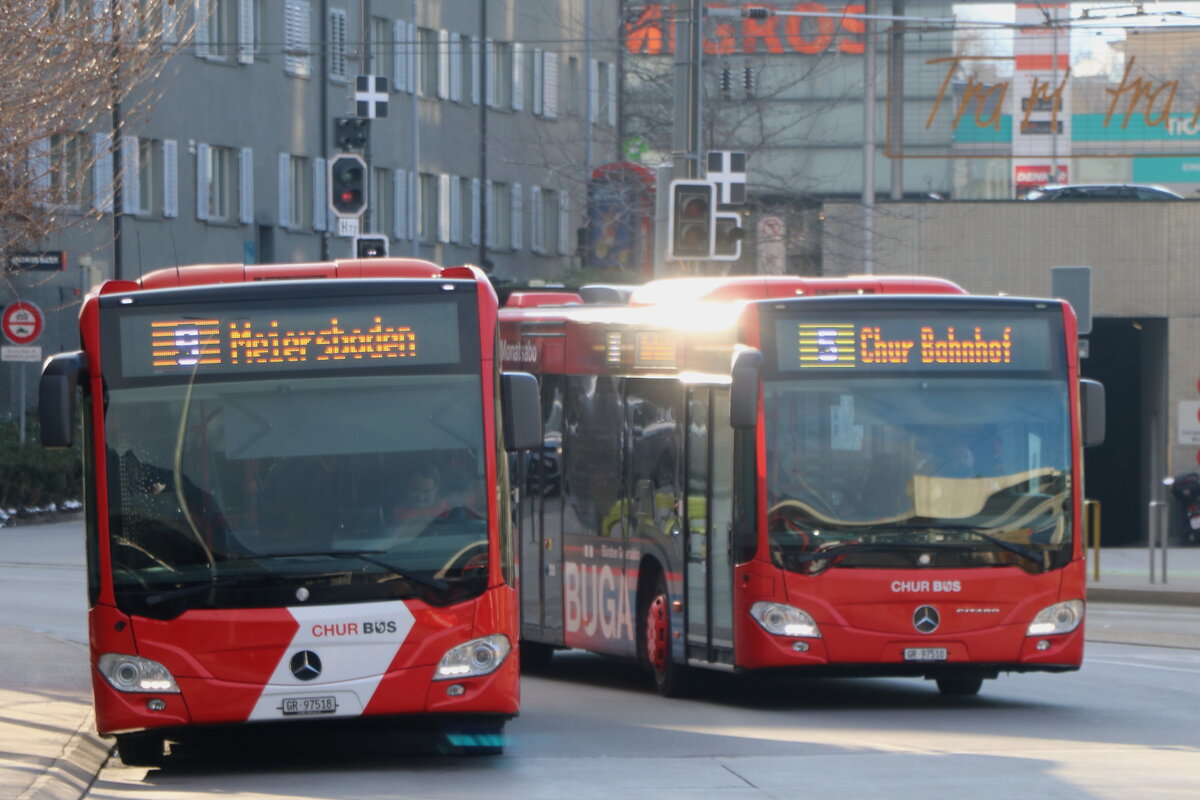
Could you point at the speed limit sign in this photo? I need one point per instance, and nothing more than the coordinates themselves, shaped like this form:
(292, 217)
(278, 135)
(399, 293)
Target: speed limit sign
(22, 322)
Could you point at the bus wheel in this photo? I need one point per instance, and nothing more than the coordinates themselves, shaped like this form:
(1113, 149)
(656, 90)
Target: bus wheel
(142, 749)
(670, 678)
(536, 656)
(960, 685)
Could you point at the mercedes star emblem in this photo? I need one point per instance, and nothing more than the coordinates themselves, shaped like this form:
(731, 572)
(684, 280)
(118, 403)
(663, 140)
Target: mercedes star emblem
(306, 664)
(925, 620)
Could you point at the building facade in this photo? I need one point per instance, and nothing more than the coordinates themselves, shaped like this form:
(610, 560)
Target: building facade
(480, 149)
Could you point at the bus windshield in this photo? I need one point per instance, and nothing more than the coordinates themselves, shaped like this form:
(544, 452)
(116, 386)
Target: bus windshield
(325, 488)
(912, 471)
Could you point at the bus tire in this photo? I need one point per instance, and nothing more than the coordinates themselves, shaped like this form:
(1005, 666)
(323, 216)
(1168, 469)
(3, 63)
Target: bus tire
(536, 656)
(960, 685)
(141, 749)
(670, 678)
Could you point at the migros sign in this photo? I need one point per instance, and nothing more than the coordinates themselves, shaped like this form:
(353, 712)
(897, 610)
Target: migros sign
(652, 32)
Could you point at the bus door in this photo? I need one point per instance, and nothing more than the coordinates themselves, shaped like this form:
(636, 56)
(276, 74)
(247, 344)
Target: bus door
(708, 523)
(654, 424)
(541, 525)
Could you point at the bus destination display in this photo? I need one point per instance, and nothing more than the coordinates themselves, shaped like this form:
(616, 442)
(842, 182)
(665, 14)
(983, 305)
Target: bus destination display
(883, 344)
(257, 340)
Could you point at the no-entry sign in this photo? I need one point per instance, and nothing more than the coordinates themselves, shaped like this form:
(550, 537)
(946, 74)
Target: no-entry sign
(22, 322)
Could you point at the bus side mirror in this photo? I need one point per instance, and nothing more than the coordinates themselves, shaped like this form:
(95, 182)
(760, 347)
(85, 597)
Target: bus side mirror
(1091, 406)
(56, 397)
(521, 411)
(743, 392)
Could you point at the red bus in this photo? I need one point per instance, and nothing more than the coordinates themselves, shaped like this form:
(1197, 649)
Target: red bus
(296, 507)
(875, 476)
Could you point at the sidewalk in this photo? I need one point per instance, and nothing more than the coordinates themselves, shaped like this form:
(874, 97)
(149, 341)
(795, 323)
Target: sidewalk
(1125, 576)
(49, 749)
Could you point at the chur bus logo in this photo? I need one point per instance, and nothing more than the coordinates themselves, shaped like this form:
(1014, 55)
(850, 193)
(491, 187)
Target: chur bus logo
(827, 346)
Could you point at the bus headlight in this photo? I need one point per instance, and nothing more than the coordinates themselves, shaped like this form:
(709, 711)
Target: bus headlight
(1059, 618)
(781, 620)
(476, 657)
(133, 674)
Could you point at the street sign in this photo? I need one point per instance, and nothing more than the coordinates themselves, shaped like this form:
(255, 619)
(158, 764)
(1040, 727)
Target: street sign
(43, 261)
(371, 96)
(12, 352)
(1189, 422)
(347, 226)
(22, 322)
(727, 169)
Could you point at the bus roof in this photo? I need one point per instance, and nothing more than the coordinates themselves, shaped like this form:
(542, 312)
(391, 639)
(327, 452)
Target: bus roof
(208, 274)
(768, 287)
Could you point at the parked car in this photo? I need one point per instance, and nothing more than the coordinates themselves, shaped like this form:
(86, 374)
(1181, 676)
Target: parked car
(1102, 191)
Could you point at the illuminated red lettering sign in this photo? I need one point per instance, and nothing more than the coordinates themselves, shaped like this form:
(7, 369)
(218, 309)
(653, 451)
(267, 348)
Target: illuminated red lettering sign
(653, 31)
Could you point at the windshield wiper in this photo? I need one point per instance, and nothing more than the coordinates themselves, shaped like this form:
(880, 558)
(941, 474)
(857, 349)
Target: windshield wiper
(363, 555)
(213, 584)
(1033, 555)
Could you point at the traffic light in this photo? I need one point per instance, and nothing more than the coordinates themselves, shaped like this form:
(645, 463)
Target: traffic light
(692, 219)
(348, 185)
(351, 133)
(370, 245)
(729, 235)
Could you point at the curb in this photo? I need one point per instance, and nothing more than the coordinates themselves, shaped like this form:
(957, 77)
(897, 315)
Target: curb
(72, 774)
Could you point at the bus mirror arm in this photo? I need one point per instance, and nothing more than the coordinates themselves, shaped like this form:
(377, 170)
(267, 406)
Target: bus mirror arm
(743, 392)
(1091, 404)
(56, 397)
(521, 407)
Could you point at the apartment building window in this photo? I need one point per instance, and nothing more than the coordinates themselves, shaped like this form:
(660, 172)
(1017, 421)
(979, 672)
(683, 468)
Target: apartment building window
(468, 208)
(464, 69)
(215, 183)
(500, 216)
(69, 179)
(337, 45)
(544, 211)
(297, 38)
(382, 193)
(383, 49)
(220, 28)
(428, 225)
(604, 94)
(545, 83)
(500, 75)
(300, 194)
(573, 102)
(141, 165)
(427, 57)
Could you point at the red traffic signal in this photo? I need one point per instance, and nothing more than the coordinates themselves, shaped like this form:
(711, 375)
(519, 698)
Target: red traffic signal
(692, 220)
(348, 185)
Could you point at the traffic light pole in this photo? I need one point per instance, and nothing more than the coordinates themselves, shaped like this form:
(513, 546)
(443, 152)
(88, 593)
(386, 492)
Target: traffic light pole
(689, 35)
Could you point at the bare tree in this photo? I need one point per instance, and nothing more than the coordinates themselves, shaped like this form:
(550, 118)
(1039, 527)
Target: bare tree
(65, 67)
